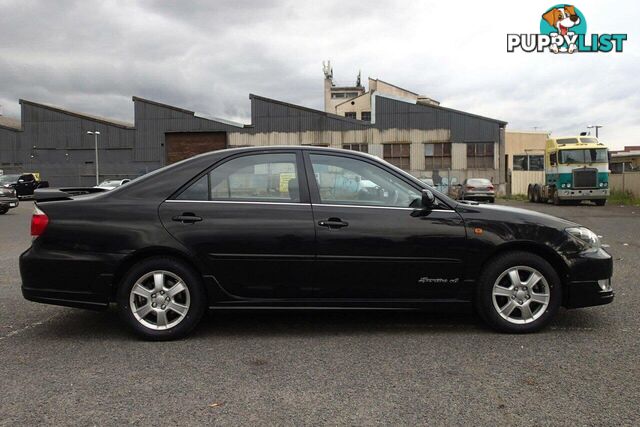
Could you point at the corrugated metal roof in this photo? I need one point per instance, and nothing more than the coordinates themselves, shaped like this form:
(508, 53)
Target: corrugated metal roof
(98, 119)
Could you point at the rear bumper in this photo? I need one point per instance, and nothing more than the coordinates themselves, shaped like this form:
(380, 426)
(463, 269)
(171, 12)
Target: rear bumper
(590, 280)
(591, 194)
(480, 195)
(80, 279)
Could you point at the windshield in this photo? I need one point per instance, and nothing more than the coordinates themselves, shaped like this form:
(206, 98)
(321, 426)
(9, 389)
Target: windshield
(592, 155)
(6, 179)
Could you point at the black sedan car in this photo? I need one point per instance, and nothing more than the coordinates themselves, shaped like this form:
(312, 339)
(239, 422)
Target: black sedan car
(299, 227)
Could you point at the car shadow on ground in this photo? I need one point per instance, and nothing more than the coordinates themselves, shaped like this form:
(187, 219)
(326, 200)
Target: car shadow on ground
(75, 324)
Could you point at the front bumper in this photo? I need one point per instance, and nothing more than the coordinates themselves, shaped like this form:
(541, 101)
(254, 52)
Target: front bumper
(9, 202)
(589, 281)
(583, 194)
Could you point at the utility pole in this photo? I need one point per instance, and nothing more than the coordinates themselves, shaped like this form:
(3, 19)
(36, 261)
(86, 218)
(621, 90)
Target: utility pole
(95, 134)
(596, 127)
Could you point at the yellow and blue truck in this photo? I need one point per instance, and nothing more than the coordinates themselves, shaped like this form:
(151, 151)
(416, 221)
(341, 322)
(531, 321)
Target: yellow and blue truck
(576, 168)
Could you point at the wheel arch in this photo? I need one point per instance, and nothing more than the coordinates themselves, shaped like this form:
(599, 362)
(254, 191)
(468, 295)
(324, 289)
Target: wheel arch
(543, 251)
(154, 252)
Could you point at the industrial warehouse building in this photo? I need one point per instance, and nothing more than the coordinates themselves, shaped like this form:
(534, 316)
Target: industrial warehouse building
(423, 138)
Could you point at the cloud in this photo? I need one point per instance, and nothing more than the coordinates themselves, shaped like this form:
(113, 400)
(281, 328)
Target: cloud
(208, 56)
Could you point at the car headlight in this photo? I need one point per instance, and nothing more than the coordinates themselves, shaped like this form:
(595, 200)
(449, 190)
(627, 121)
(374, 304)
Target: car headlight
(588, 240)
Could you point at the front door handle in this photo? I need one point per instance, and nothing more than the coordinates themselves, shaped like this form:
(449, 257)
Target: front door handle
(333, 223)
(187, 218)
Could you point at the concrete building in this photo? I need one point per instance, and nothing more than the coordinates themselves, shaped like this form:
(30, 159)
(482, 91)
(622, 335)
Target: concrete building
(626, 160)
(425, 139)
(524, 159)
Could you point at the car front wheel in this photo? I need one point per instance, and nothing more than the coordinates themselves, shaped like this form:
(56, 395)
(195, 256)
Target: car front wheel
(161, 299)
(518, 292)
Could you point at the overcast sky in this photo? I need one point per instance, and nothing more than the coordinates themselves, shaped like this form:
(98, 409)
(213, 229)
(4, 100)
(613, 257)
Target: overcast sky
(208, 56)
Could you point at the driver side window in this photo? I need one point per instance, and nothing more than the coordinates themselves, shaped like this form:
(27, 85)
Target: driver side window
(349, 181)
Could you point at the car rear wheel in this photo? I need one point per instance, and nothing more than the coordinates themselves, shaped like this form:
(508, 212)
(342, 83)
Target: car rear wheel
(600, 202)
(4, 211)
(518, 292)
(161, 299)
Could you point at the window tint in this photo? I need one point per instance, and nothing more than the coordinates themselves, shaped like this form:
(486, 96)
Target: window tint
(260, 177)
(197, 191)
(350, 181)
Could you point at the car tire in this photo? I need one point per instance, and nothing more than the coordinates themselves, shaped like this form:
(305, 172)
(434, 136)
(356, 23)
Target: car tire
(4, 211)
(493, 200)
(600, 202)
(519, 307)
(159, 309)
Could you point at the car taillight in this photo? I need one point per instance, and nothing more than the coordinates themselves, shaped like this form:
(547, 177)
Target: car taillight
(470, 187)
(491, 188)
(39, 221)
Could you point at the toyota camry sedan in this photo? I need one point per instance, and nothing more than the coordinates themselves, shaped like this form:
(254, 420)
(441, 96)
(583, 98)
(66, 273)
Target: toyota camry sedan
(296, 228)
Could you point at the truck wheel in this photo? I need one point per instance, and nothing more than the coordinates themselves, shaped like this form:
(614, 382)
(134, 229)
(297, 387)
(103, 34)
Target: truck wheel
(600, 202)
(530, 193)
(518, 292)
(556, 199)
(536, 193)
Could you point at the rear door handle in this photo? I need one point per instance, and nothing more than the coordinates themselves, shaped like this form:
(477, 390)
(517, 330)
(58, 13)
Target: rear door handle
(187, 218)
(333, 223)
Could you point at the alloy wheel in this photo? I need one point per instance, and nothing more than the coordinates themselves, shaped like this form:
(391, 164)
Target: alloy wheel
(159, 300)
(521, 294)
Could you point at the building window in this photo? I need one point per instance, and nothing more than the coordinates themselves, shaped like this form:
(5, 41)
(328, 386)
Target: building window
(526, 162)
(437, 156)
(344, 94)
(366, 116)
(363, 148)
(398, 155)
(350, 114)
(480, 155)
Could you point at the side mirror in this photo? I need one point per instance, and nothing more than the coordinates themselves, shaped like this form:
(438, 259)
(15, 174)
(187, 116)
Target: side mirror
(428, 199)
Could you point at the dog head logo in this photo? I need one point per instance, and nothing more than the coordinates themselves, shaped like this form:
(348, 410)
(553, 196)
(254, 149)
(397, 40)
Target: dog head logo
(562, 18)
(563, 22)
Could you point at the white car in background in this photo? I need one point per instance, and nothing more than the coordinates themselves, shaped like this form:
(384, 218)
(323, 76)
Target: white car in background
(110, 184)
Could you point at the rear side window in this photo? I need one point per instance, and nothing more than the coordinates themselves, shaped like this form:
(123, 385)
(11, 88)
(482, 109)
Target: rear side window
(259, 177)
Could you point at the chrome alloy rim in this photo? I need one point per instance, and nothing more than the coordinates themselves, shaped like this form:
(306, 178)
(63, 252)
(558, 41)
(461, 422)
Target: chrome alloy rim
(159, 300)
(521, 295)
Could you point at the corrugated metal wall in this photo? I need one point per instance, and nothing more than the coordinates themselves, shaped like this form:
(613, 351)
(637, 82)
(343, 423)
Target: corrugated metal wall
(54, 142)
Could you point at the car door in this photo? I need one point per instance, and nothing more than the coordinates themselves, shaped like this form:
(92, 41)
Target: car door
(374, 240)
(250, 222)
(25, 184)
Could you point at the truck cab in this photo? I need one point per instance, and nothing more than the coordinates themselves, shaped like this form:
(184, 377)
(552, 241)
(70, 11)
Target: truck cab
(576, 169)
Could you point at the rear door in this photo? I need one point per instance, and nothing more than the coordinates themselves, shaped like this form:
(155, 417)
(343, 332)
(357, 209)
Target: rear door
(250, 222)
(374, 239)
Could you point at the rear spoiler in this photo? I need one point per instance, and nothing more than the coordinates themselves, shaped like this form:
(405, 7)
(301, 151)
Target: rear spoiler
(51, 194)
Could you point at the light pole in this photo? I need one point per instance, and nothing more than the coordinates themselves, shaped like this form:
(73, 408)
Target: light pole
(596, 128)
(95, 134)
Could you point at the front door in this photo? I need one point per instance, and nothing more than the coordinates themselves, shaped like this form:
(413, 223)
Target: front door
(374, 240)
(250, 223)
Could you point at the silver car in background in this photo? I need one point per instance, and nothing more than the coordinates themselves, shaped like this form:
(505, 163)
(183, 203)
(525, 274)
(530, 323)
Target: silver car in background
(479, 189)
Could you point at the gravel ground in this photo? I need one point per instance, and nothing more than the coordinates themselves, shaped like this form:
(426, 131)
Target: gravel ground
(66, 366)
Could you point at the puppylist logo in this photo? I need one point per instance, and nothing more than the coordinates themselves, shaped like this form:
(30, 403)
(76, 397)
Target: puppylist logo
(563, 29)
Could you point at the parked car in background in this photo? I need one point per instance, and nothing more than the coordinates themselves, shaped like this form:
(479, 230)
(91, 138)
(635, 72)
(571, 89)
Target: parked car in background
(291, 227)
(479, 189)
(8, 199)
(24, 184)
(110, 184)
